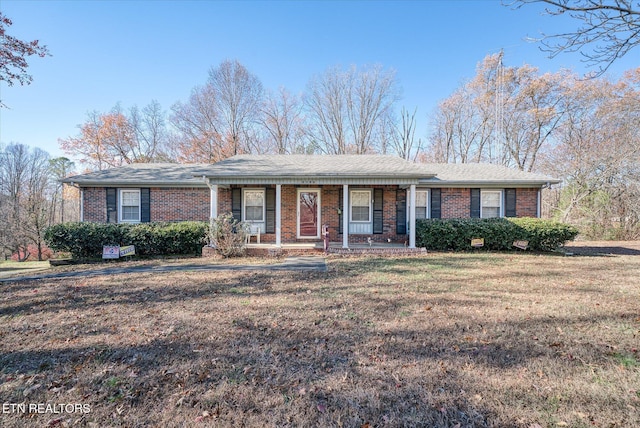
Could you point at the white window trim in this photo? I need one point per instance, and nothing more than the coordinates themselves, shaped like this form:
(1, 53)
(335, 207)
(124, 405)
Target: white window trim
(370, 192)
(120, 206)
(264, 205)
(501, 192)
(428, 207)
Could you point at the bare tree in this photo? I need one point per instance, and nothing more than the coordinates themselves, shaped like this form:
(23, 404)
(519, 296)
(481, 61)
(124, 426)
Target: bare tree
(150, 130)
(283, 120)
(24, 189)
(347, 109)
(403, 140)
(607, 29)
(598, 155)
(238, 97)
(60, 168)
(197, 122)
(464, 124)
(326, 110)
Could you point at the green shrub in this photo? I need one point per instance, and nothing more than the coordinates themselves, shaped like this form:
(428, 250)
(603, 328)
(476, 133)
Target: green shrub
(85, 240)
(546, 235)
(499, 234)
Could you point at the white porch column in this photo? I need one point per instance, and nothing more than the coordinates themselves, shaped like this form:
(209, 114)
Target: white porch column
(278, 215)
(412, 216)
(345, 216)
(213, 203)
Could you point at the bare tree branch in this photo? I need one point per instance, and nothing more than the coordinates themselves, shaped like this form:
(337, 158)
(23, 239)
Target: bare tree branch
(607, 29)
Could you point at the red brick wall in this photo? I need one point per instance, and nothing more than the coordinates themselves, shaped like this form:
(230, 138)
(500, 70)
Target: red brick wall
(456, 203)
(179, 204)
(94, 201)
(166, 204)
(527, 202)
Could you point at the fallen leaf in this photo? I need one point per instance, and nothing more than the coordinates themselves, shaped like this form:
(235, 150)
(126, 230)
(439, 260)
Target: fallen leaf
(322, 408)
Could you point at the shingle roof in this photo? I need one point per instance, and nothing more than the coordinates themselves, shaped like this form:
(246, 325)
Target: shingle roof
(317, 166)
(483, 173)
(148, 174)
(327, 168)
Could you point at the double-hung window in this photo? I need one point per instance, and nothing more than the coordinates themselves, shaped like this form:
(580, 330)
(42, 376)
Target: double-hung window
(491, 203)
(130, 205)
(422, 204)
(361, 216)
(361, 206)
(254, 205)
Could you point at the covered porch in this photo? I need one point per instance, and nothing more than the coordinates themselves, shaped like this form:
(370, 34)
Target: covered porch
(289, 199)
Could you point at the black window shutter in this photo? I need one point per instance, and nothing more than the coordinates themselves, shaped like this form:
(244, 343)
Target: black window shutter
(270, 202)
(510, 202)
(378, 206)
(475, 203)
(401, 212)
(145, 205)
(112, 205)
(340, 208)
(236, 203)
(436, 203)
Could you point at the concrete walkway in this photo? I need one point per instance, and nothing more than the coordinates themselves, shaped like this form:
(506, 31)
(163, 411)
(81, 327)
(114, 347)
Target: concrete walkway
(307, 263)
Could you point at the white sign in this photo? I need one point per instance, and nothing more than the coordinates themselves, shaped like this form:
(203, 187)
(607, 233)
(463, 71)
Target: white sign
(477, 243)
(129, 250)
(110, 252)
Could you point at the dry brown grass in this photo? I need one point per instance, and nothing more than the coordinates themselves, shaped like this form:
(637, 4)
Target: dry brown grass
(451, 340)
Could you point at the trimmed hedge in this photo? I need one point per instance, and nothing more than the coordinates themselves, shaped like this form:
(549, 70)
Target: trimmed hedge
(85, 240)
(499, 234)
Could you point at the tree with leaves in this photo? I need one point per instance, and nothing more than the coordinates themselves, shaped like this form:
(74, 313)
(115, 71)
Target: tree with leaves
(112, 139)
(13, 56)
(504, 115)
(607, 29)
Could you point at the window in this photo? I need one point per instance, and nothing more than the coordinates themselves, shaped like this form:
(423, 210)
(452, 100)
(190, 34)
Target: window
(254, 206)
(130, 205)
(360, 206)
(491, 204)
(422, 204)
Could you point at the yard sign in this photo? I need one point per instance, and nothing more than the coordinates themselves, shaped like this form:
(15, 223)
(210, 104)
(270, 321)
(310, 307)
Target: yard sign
(110, 252)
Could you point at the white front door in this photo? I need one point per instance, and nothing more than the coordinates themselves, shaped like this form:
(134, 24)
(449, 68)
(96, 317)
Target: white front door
(309, 213)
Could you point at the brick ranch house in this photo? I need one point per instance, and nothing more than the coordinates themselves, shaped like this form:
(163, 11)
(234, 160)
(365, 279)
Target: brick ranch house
(287, 198)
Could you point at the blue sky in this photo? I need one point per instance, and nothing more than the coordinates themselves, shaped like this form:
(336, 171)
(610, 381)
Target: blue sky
(132, 52)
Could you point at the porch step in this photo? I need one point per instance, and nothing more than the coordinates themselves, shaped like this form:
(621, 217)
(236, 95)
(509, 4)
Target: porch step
(389, 251)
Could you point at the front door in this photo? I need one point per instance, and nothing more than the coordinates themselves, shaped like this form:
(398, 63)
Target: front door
(309, 213)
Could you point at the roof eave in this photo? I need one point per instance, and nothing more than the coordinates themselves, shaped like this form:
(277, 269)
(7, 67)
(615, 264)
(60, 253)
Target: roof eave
(106, 183)
(489, 183)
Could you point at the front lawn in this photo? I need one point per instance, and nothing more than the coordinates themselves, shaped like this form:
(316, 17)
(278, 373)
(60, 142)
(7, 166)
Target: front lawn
(476, 339)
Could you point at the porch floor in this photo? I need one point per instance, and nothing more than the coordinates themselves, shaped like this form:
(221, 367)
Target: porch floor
(336, 248)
